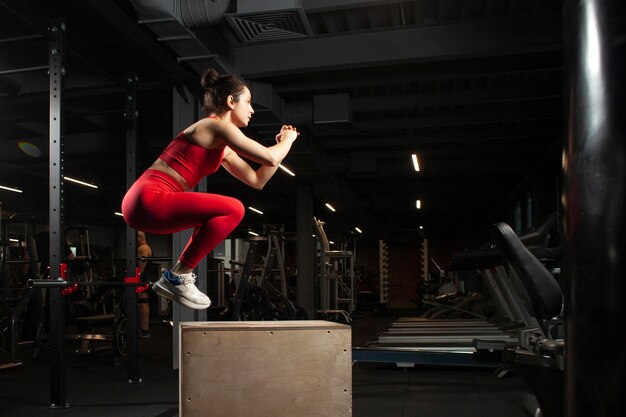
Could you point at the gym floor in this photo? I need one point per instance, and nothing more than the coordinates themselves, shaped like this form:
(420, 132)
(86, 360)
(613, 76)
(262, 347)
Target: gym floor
(95, 387)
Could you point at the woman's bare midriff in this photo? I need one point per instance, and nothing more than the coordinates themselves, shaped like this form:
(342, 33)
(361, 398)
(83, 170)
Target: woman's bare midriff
(160, 165)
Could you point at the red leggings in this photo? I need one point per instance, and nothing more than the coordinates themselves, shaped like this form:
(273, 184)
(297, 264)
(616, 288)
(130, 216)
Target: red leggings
(157, 203)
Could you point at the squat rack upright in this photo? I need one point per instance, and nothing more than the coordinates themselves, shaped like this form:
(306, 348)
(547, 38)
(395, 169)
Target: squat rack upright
(57, 283)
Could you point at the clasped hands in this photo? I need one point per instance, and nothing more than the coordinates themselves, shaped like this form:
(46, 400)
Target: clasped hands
(287, 132)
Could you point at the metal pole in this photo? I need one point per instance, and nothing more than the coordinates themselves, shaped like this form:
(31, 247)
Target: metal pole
(130, 295)
(594, 196)
(305, 249)
(3, 253)
(184, 113)
(57, 306)
(20, 70)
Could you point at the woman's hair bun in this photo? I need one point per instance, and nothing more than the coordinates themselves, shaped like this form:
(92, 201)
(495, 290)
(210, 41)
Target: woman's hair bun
(209, 78)
(217, 89)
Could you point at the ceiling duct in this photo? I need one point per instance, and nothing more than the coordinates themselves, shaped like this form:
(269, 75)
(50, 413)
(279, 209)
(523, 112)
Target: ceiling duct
(268, 106)
(331, 108)
(190, 13)
(266, 21)
(270, 26)
(332, 114)
(187, 27)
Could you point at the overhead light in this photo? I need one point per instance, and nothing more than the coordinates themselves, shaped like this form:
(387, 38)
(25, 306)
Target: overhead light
(358, 230)
(416, 164)
(255, 210)
(331, 208)
(86, 184)
(252, 233)
(117, 213)
(421, 227)
(330, 242)
(14, 240)
(287, 170)
(418, 204)
(15, 190)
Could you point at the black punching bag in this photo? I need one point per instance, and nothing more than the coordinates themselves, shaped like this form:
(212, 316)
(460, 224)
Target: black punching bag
(594, 163)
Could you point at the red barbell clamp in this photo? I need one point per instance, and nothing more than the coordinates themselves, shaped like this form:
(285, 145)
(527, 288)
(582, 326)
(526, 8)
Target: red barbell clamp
(69, 289)
(135, 279)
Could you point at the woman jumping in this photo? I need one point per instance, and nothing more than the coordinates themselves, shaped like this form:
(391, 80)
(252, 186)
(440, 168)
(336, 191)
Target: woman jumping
(159, 201)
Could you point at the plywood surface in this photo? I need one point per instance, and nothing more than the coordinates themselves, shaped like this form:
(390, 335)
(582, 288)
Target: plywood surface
(265, 369)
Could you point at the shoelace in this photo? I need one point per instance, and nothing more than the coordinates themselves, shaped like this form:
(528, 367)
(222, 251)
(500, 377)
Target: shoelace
(189, 278)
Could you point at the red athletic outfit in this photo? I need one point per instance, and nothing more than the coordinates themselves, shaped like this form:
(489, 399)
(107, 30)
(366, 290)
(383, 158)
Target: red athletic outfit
(157, 203)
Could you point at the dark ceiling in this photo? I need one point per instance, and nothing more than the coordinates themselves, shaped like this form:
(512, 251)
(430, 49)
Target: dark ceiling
(473, 87)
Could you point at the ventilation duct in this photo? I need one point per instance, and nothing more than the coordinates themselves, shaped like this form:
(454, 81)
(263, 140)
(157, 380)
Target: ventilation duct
(332, 114)
(190, 13)
(191, 29)
(265, 21)
(188, 27)
(331, 108)
(268, 105)
(270, 26)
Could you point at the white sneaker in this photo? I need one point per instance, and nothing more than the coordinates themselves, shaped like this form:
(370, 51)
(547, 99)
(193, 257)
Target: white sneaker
(181, 288)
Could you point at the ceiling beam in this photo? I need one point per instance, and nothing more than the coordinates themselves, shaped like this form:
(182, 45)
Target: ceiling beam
(380, 141)
(477, 95)
(321, 5)
(461, 117)
(487, 37)
(535, 64)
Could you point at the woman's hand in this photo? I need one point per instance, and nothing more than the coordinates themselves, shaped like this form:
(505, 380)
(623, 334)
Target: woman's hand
(287, 132)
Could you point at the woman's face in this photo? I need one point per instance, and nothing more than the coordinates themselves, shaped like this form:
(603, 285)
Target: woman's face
(242, 111)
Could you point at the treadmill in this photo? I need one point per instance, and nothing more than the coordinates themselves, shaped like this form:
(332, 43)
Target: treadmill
(414, 340)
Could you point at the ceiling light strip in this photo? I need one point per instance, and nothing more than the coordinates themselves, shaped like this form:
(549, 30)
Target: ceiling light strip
(416, 164)
(287, 170)
(15, 190)
(86, 184)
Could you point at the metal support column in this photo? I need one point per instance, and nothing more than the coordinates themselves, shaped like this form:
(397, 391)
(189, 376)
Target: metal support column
(594, 203)
(4, 242)
(305, 249)
(56, 208)
(185, 112)
(130, 295)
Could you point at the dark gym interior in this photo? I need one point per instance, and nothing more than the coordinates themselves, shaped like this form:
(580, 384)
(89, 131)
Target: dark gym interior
(454, 201)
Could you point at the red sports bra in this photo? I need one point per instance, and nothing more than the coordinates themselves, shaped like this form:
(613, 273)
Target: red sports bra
(191, 161)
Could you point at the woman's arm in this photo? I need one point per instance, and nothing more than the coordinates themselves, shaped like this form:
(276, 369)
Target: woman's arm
(143, 250)
(241, 170)
(248, 148)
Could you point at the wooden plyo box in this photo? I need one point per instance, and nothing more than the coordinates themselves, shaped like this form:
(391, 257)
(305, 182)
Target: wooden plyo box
(265, 369)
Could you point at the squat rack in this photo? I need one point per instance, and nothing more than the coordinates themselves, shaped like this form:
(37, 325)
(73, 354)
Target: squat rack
(57, 285)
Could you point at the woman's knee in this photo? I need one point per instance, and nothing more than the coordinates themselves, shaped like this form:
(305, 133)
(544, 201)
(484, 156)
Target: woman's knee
(237, 210)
